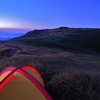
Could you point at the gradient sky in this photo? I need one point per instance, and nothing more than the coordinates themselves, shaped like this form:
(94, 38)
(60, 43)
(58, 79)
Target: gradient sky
(42, 14)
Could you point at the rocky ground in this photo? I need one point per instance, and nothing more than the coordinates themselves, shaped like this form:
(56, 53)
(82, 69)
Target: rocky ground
(7, 51)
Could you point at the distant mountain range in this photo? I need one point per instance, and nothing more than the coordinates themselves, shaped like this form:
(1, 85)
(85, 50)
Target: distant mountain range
(7, 38)
(7, 35)
(64, 37)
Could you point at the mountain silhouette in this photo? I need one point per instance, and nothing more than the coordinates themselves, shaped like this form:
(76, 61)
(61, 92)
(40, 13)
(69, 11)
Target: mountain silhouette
(64, 37)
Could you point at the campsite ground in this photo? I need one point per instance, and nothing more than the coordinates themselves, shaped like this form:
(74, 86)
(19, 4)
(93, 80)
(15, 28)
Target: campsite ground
(68, 75)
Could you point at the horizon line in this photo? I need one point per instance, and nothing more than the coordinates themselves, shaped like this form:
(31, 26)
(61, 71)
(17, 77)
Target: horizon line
(14, 28)
(2, 28)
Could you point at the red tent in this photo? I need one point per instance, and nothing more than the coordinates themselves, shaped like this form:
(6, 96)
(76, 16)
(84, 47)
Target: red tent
(23, 83)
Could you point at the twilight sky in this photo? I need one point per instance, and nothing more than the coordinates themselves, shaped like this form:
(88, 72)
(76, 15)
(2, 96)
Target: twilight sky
(25, 15)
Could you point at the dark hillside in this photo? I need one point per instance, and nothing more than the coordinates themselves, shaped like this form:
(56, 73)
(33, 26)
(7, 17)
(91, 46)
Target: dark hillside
(67, 58)
(34, 33)
(64, 37)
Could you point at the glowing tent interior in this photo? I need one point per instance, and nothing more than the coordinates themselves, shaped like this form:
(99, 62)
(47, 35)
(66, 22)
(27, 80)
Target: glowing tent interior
(23, 83)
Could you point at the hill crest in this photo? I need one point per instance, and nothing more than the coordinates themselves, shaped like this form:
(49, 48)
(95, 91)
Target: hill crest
(64, 37)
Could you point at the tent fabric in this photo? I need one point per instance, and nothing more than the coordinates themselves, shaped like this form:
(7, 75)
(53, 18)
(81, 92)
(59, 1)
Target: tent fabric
(33, 72)
(23, 83)
(5, 72)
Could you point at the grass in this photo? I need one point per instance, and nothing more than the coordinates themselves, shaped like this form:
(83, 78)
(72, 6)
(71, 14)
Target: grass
(67, 75)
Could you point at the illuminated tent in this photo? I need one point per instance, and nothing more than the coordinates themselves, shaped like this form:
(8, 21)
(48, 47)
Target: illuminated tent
(23, 83)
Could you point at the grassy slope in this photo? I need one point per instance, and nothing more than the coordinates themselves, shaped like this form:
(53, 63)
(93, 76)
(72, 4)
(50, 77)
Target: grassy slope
(69, 39)
(68, 74)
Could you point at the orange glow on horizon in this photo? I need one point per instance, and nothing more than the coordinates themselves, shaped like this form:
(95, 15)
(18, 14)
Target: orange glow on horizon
(9, 24)
(3, 28)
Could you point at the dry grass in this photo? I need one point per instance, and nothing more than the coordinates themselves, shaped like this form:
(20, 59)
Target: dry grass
(67, 76)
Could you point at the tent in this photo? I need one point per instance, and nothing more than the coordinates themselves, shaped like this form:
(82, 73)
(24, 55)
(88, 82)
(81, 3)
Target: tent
(22, 83)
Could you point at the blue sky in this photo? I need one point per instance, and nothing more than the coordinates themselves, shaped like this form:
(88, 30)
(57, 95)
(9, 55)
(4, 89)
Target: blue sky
(41, 14)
